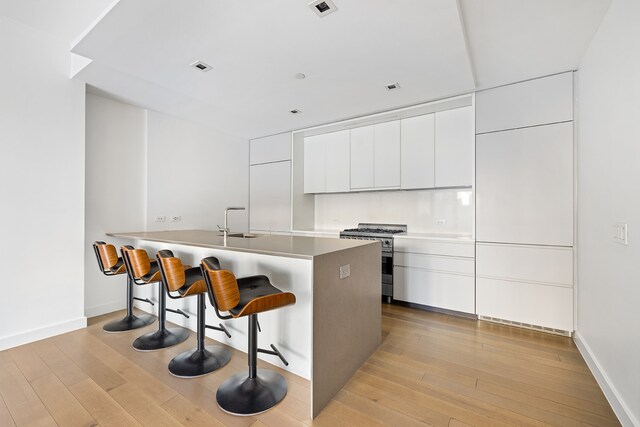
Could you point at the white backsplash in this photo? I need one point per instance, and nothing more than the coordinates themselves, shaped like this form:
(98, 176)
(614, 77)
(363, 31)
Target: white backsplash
(422, 210)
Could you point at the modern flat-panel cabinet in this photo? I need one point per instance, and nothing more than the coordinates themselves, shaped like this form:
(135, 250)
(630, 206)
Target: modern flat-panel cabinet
(326, 161)
(524, 185)
(417, 149)
(524, 203)
(270, 197)
(274, 148)
(362, 157)
(386, 154)
(314, 164)
(454, 137)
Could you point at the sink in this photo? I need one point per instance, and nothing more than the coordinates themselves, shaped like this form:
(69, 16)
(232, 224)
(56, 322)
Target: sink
(241, 235)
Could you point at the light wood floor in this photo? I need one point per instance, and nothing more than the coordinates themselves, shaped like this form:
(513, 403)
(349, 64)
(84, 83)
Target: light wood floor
(431, 369)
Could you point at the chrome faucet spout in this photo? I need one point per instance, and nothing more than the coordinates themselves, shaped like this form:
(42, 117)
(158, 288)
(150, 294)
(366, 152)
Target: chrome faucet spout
(226, 211)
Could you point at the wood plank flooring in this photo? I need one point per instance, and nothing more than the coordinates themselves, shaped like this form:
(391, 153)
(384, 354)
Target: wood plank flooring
(431, 369)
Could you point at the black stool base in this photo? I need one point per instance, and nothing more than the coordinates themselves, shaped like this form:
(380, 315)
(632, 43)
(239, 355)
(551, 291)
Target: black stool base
(241, 395)
(160, 339)
(196, 363)
(128, 323)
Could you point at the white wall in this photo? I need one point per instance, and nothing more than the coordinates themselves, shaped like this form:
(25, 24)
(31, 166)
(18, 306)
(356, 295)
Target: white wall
(195, 173)
(42, 191)
(116, 176)
(419, 209)
(608, 331)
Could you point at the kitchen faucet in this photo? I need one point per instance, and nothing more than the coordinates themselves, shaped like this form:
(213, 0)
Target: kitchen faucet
(226, 230)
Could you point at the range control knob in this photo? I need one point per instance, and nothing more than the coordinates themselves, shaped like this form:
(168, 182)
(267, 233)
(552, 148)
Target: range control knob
(386, 242)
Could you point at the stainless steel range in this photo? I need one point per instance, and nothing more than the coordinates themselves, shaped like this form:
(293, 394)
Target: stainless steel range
(384, 233)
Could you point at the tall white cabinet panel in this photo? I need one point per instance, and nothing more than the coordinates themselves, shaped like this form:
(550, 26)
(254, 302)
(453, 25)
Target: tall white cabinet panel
(270, 197)
(361, 158)
(454, 138)
(386, 160)
(534, 102)
(274, 148)
(524, 186)
(417, 149)
(314, 164)
(337, 161)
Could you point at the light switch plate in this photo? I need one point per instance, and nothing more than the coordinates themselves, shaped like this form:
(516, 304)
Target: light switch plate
(345, 271)
(160, 218)
(620, 233)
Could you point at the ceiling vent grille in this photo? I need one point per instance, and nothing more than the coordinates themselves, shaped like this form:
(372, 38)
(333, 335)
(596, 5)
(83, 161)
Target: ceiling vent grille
(393, 86)
(295, 111)
(199, 65)
(323, 7)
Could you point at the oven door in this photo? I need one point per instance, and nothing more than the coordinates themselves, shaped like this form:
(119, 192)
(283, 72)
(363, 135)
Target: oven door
(387, 274)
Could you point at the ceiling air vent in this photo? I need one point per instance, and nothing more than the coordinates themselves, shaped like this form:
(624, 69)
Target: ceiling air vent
(393, 86)
(295, 111)
(202, 66)
(323, 7)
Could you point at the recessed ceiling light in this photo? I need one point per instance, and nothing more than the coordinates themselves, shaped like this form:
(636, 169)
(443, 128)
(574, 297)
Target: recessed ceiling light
(295, 111)
(202, 66)
(392, 86)
(322, 7)
(299, 76)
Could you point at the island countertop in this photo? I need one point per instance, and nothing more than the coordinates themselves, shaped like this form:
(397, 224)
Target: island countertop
(277, 245)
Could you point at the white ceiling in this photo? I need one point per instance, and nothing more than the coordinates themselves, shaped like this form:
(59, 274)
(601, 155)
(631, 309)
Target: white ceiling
(141, 51)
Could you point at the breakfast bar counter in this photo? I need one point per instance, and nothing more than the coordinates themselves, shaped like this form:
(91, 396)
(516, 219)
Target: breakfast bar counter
(335, 324)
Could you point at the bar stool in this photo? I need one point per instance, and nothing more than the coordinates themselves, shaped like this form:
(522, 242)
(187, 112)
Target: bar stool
(112, 265)
(187, 282)
(142, 271)
(262, 389)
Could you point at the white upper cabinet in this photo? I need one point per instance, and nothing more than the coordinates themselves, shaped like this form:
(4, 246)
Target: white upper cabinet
(275, 148)
(270, 197)
(454, 140)
(337, 153)
(417, 139)
(386, 155)
(535, 102)
(524, 185)
(326, 163)
(314, 164)
(361, 157)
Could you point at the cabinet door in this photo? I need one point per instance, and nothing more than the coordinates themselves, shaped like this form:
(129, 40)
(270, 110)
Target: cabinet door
(337, 161)
(524, 186)
(274, 148)
(270, 197)
(386, 165)
(314, 164)
(417, 152)
(534, 102)
(362, 157)
(454, 147)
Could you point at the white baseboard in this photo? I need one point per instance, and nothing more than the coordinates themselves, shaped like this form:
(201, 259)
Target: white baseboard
(42, 333)
(618, 404)
(98, 310)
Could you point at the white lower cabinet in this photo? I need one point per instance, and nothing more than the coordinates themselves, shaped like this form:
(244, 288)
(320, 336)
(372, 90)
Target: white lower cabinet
(525, 283)
(529, 303)
(435, 289)
(435, 272)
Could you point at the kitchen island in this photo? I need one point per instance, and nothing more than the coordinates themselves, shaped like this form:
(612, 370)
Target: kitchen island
(335, 324)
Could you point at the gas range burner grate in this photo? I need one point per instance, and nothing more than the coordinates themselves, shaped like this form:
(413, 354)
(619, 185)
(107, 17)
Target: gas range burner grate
(374, 230)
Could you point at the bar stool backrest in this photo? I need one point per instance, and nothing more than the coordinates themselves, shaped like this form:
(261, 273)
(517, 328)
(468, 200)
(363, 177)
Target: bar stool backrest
(106, 254)
(221, 285)
(138, 260)
(172, 270)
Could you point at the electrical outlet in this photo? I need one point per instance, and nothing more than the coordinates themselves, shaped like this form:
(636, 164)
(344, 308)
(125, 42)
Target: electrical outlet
(176, 218)
(620, 234)
(160, 218)
(345, 271)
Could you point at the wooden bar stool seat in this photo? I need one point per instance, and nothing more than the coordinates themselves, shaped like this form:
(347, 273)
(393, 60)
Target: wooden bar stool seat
(143, 271)
(181, 283)
(262, 389)
(111, 264)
